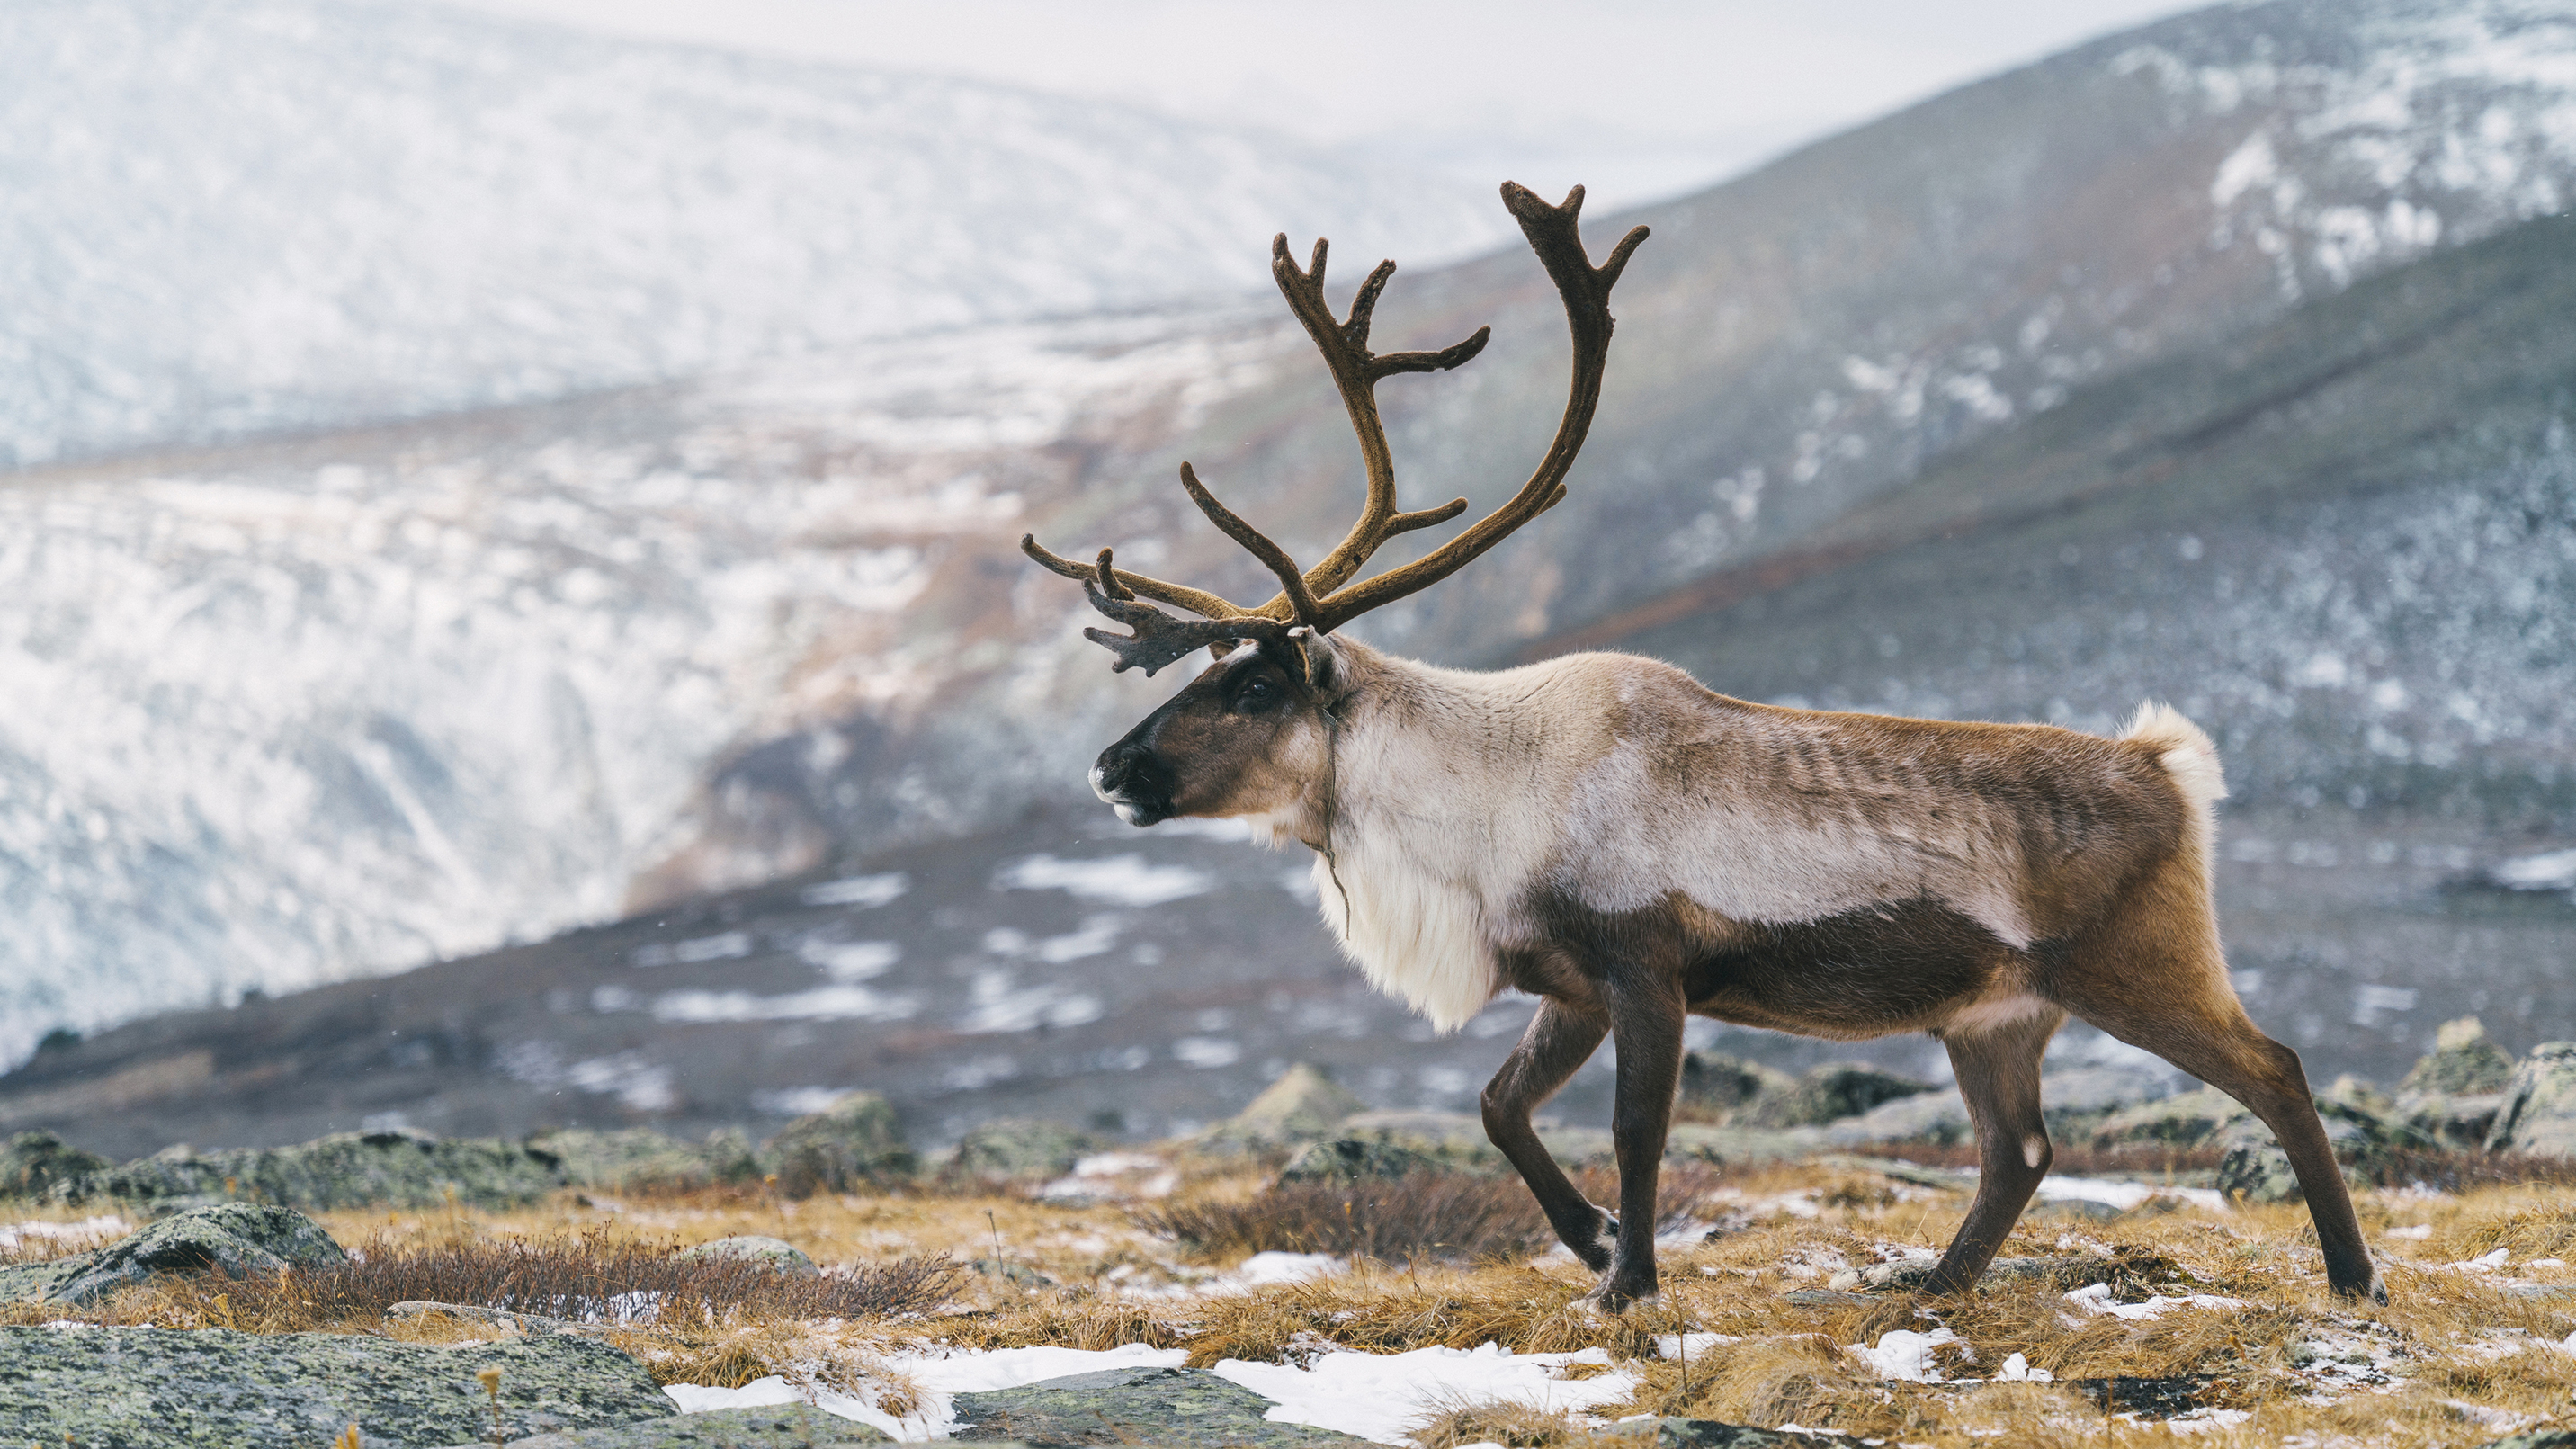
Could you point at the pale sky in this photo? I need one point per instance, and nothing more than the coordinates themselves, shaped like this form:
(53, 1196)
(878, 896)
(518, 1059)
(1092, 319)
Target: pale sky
(1639, 99)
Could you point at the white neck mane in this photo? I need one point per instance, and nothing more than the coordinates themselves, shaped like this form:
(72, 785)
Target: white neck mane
(1427, 856)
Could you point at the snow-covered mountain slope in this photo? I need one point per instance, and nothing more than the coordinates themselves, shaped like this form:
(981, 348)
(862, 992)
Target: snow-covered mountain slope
(300, 712)
(329, 707)
(229, 215)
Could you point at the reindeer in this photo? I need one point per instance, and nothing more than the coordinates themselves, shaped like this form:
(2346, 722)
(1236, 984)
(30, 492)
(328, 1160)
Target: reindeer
(1603, 833)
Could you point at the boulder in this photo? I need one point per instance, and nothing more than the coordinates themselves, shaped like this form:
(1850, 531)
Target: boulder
(783, 1426)
(786, 1257)
(236, 1239)
(348, 1169)
(1831, 1093)
(2069, 1101)
(40, 1164)
(1349, 1158)
(852, 1145)
(2463, 1061)
(493, 1317)
(1303, 1105)
(210, 1387)
(1019, 1149)
(2539, 1109)
(1177, 1407)
(2256, 1168)
(1729, 1086)
(2188, 1120)
(638, 1158)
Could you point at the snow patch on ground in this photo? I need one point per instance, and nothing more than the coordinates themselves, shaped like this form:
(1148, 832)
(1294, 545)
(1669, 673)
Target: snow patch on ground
(1126, 880)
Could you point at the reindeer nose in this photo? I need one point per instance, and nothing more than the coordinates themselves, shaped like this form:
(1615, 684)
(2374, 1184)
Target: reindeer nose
(1129, 777)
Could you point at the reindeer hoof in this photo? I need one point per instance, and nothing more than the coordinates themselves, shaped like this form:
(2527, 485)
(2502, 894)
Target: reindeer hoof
(1607, 1299)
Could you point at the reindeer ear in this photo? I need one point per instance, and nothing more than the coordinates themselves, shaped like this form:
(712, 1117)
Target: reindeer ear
(1222, 648)
(1312, 656)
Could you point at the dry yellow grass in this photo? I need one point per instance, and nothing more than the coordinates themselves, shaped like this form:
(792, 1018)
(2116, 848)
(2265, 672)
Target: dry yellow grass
(2451, 1361)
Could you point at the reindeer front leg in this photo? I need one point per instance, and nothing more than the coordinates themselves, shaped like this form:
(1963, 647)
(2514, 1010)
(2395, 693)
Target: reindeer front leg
(1646, 1016)
(1560, 1040)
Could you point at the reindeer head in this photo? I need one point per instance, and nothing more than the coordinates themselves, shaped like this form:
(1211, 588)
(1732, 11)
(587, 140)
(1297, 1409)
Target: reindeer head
(1250, 735)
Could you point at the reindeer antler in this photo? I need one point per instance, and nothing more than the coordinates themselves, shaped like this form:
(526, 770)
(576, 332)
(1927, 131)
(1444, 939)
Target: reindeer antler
(1314, 597)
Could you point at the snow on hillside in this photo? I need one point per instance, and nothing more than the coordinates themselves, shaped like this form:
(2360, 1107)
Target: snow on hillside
(228, 215)
(321, 710)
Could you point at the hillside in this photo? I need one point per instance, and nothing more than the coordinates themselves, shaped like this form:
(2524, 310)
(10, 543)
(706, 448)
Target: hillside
(2343, 539)
(230, 216)
(308, 710)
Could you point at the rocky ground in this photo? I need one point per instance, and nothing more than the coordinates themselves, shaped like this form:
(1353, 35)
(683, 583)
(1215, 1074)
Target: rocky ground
(1308, 1274)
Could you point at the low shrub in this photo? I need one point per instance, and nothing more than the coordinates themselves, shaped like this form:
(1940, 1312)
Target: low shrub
(1423, 1215)
(591, 1278)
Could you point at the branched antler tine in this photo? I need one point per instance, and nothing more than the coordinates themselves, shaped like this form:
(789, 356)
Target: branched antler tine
(1554, 234)
(1292, 581)
(1408, 522)
(1441, 361)
(1364, 306)
(1109, 580)
(1159, 638)
(1197, 601)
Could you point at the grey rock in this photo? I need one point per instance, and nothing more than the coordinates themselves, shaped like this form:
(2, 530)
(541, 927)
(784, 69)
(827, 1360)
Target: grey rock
(1184, 1408)
(2069, 1100)
(2543, 1292)
(2461, 1122)
(1831, 1093)
(854, 1144)
(148, 1388)
(236, 1239)
(39, 1164)
(2186, 1120)
(785, 1426)
(2463, 1060)
(638, 1158)
(2257, 1169)
(1303, 1105)
(2539, 1111)
(1348, 1158)
(1829, 1298)
(1670, 1433)
(1730, 1085)
(2535, 1439)
(786, 1257)
(1019, 1149)
(348, 1169)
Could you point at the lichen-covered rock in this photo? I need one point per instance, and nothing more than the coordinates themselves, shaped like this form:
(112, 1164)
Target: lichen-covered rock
(785, 1426)
(2071, 1102)
(1728, 1085)
(1830, 1093)
(1671, 1433)
(492, 1317)
(1181, 1408)
(151, 1388)
(635, 1159)
(1019, 1149)
(2463, 1060)
(776, 1253)
(1347, 1158)
(40, 1164)
(2187, 1120)
(348, 1169)
(2539, 1111)
(2255, 1167)
(854, 1144)
(1303, 1105)
(236, 1239)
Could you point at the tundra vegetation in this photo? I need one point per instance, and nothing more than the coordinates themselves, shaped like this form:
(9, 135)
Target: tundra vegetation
(1790, 1281)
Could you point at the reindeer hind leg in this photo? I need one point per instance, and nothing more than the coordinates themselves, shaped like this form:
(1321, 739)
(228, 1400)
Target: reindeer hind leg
(2154, 977)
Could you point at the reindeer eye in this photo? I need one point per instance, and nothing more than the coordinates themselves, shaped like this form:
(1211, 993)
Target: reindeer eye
(1256, 696)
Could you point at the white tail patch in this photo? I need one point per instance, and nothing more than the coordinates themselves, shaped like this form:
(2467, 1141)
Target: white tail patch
(2189, 758)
